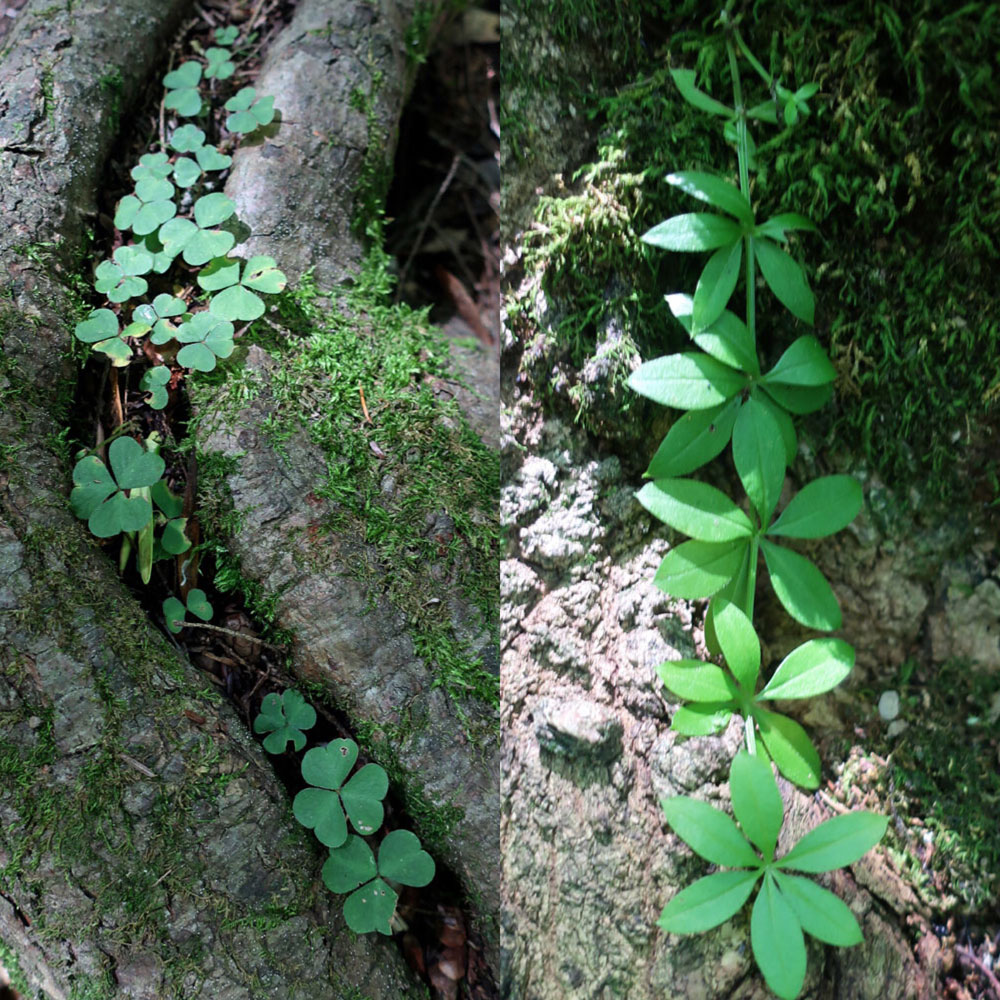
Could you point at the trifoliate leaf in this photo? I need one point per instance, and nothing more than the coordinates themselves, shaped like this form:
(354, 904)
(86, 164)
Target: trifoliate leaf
(227, 35)
(187, 139)
(188, 74)
(132, 465)
(186, 172)
(101, 324)
(349, 866)
(237, 303)
(287, 715)
(209, 158)
(152, 166)
(198, 605)
(219, 65)
(173, 614)
(207, 337)
(154, 382)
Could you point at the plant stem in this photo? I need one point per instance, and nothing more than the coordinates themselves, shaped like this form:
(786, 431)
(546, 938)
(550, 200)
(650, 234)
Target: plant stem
(743, 156)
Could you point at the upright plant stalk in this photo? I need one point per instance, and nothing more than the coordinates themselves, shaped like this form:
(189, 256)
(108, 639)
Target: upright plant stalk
(730, 399)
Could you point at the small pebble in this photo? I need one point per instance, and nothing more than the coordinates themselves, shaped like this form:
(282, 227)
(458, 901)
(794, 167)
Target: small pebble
(888, 705)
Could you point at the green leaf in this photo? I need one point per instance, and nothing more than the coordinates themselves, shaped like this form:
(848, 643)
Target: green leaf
(799, 399)
(220, 67)
(699, 569)
(684, 78)
(784, 422)
(170, 504)
(132, 465)
(756, 801)
(220, 273)
(786, 279)
(206, 337)
(694, 231)
(287, 715)
(727, 339)
(327, 767)
(694, 439)
(211, 209)
(836, 843)
(349, 866)
(187, 139)
(362, 797)
(739, 643)
(101, 324)
(152, 165)
(237, 303)
(320, 810)
(710, 901)
(173, 614)
(697, 509)
(697, 681)
(188, 74)
(401, 859)
(702, 718)
(370, 908)
(249, 112)
(93, 486)
(801, 588)
(154, 382)
(173, 539)
(803, 363)
(708, 832)
(209, 158)
(185, 101)
(777, 226)
(686, 381)
(790, 747)
(759, 456)
(776, 938)
(262, 275)
(227, 35)
(764, 112)
(813, 668)
(186, 172)
(198, 605)
(822, 914)
(717, 192)
(716, 285)
(206, 244)
(821, 508)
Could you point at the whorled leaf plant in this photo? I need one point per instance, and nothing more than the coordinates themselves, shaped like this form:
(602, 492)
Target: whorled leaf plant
(729, 399)
(173, 215)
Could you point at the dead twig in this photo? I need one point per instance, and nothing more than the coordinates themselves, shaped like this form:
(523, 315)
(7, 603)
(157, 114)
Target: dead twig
(427, 221)
(229, 631)
(364, 407)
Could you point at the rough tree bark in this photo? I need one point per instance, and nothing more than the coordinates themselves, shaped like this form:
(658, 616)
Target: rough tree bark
(146, 847)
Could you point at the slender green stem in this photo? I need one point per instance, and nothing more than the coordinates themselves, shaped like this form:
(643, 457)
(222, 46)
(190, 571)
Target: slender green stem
(743, 156)
(752, 59)
(750, 735)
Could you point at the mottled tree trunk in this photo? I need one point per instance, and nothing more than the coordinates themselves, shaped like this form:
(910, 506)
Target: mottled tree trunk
(146, 848)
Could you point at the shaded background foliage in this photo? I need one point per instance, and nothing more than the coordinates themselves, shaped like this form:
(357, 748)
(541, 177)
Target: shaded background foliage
(898, 167)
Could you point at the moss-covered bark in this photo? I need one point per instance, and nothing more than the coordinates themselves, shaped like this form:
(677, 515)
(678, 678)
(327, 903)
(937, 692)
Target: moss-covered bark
(146, 848)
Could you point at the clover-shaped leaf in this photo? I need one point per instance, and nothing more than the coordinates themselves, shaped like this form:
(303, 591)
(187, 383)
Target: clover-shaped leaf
(370, 907)
(155, 383)
(227, 35)
(173, 539)
(219, 65)
(206, 337)
(284, 717)
(182, 85)
(162, 261)
(157, 317)
(237, 301)
(321, 808)
(169, 503)
(118, 279)
(152, 166)
(100, 496)
(209, 158)
(249, 111)
(186, 172)
(197, 245)
(101, 330)
(174, 612)
(147, 209)
(187, 139)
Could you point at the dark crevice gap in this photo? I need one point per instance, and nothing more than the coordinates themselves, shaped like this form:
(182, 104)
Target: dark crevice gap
(250, 659)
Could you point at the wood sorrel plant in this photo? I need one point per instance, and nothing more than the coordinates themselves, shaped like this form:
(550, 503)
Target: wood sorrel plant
(729, 398)
(176, 226)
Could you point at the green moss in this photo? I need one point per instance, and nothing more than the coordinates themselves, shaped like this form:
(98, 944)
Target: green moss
(942, 778)
(376, 170)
